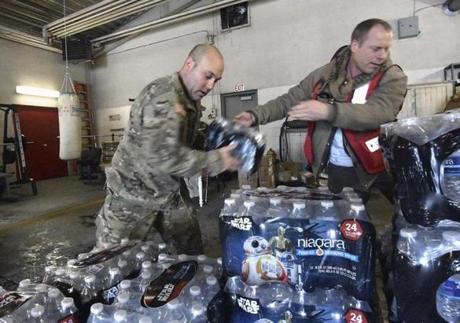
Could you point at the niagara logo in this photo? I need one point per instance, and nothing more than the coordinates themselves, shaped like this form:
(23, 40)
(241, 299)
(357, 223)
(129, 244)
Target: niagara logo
(321, 244)
(248, 305)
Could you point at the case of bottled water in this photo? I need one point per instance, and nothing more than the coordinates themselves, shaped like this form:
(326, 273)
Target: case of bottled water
(249, 144)
(425, 266)
(423, 154)
(296, 234)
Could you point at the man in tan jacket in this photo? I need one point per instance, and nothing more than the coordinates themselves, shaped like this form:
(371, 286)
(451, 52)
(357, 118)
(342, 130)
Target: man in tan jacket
(344, 103)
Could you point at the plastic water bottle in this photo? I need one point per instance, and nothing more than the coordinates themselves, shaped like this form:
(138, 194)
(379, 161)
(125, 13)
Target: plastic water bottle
(276, 208)
(448, 299)
(37, 314)
(450, 176)
(68, 308)
(194, 295)
(406, 240)
(298, 210)
(197, 313)
(230, 208)
(210, 289)
(89, 290)
(175, 311)
(127, 301)
(100, 313)
(53, 302)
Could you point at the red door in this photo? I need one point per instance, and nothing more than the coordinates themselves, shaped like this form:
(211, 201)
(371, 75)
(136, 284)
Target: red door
(40, 126)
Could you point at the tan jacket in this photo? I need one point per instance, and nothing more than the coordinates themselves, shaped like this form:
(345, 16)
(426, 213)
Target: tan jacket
(380, 108)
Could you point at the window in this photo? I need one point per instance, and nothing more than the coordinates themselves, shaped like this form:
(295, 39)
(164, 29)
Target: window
(234, 16)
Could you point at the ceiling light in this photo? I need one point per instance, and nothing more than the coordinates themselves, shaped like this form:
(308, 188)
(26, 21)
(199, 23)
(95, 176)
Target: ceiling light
(30, 90)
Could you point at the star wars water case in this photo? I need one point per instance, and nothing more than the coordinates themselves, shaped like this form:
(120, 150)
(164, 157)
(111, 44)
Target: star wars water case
(241, 309)
(314, 253)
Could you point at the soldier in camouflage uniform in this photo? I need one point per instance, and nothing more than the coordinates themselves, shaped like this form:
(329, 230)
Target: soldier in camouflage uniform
(144, 180)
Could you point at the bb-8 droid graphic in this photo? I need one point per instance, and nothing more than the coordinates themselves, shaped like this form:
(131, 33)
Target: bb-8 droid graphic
(260, 265)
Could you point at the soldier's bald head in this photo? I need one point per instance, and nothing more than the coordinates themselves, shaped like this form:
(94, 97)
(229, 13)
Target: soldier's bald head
(202, 69)
(199, 51)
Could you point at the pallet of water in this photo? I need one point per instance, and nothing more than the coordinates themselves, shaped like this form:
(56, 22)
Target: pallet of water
(299, 236)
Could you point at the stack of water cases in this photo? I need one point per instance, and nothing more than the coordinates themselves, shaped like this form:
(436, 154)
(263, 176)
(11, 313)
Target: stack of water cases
(297, 255)
(424, 158)
(131, 282)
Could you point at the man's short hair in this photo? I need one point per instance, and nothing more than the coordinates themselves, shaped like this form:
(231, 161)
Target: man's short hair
(362, 29)
(199, 51)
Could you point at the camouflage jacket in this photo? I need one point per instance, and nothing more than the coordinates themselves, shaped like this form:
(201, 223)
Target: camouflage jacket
(156, 148)
(382, 107)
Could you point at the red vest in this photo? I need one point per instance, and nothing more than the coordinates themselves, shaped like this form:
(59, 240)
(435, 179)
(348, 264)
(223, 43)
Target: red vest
(371, 161)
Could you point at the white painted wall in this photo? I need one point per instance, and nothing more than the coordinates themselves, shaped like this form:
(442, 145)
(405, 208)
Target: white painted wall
(286, 40)
(25, 65)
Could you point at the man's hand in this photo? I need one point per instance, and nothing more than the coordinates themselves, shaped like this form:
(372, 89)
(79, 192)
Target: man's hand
(310, 110)
(228, 161)
(243, 118)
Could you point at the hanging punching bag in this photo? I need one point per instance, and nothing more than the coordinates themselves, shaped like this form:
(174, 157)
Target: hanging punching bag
(69, 122)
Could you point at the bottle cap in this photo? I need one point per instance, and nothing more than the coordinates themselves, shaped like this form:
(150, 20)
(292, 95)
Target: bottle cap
(73, 275)
(90, 279)
(25, 282)
(37, 311)
(172, 305)
(145, 319)
(408, 233)
(147, 264)
(208, 269)
(71, 262)
(248, 204)
(347, 189)
(275, 200)
(162, 257)
(53, 292)
(60, 272)
(162, 246)
(211, 280)
(182, 257)
(197, 308)
(97, 308)
(125, 284)
(41, 288)
(358, 207)
(140, 255)
(229, 201)
(119, 315)
(298, 204)
(114, 271)
(327, 203)
(201, 258)
(67, 302)
(195, 290)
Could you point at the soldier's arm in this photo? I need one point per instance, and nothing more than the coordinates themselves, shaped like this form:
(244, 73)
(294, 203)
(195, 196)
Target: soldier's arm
(167, 154)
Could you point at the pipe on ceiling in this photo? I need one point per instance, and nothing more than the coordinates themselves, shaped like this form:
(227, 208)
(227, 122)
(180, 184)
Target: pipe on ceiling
(26, 39)
(167, 20)
(88, 24)
(95, 15)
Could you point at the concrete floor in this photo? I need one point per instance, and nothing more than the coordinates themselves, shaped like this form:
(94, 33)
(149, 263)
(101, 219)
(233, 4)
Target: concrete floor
(58, 223)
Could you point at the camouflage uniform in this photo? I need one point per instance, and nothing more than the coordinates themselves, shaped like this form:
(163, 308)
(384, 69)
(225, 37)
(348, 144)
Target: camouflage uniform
(144, 181)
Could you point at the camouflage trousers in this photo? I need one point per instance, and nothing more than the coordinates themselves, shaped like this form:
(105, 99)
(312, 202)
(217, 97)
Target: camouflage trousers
(121, 218)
